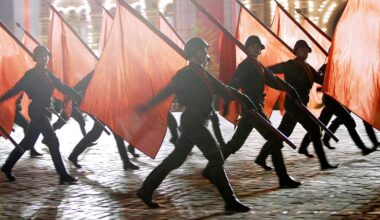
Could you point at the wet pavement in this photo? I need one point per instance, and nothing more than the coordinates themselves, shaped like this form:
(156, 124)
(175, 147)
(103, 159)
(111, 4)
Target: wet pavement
(106, 191)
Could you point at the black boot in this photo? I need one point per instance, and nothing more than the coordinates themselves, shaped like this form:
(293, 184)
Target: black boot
(74, 161)
(305, 152)
(147, 198)
(128, 165)
(263, 155)
(263, 164)
(67, 179)
(325, 165)
(132, 150)
(366, 151)
(327, 144)
(232, 204)
(289, 183)
(8, 174)
(34, 153)
(12, 159)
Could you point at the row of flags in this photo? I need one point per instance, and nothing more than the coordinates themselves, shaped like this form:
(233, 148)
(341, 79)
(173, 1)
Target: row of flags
(137, 60)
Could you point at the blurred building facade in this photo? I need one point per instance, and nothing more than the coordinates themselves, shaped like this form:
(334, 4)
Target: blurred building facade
(85, 16)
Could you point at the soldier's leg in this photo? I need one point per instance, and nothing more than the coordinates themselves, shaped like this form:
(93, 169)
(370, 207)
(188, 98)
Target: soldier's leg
(216, 128)
(241, 134)
(325, 117)
(21, 121)
(286, 127)
(333, 128)
(86, 141)
(173, 128)
(313, 129)
(273, 147)
(132, 150)
(78, 117)
(350, 124)
(61, 121)
(127, 164)
(29, 140)
(158, 174)
(203, 139)
(371, 134)
(52, 142)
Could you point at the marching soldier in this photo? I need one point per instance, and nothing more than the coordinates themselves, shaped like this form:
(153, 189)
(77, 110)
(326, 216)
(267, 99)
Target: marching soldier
(194, 89)
(332, 107)
(301, 76)
(251, 77)
(38, 83)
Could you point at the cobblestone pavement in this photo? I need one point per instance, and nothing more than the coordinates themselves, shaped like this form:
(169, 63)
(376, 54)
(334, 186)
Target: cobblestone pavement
(106, 191)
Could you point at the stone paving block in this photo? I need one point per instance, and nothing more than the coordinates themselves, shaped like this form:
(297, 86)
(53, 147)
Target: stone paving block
(106, 191)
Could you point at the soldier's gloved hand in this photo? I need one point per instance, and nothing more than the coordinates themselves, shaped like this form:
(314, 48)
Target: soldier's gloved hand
(243, 99)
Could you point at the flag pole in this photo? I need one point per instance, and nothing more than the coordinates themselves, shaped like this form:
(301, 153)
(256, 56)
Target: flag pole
(299, 11)
(170, 26)
(302, 29)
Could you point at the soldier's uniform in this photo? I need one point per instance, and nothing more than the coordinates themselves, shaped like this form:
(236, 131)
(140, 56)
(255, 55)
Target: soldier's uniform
(194, 89)
(301, 76)
(92, 136)
(332, 107)
(251, 77)
(21, 121)
(38, 83)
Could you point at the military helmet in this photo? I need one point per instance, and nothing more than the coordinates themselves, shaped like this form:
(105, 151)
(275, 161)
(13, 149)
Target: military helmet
(253, 39)
(301, 43)
(193, 45)
(40, 49)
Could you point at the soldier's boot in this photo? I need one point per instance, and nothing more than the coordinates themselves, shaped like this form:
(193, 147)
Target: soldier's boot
(325, 165)
(132, 150)
(13, 157)
(232, 203)
(303, 148)
(263, 155)
(285, 181)
(34, 153)
(146, 197)
(358, 141)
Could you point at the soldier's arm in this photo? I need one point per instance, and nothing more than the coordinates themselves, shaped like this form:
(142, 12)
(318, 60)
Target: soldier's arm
(65, 89)
(279, 84)
(279, 68)
(162, 95)
(15, 90)
(274, 81)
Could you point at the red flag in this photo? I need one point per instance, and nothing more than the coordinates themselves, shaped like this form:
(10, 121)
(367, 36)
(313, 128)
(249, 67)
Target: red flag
(29, 41)
(353, 71)
(71, 58)
(129, 76)
(228, 54)
(166, 28)
(106, 28)
(15, 60)
(318, 34)
(290, 31)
